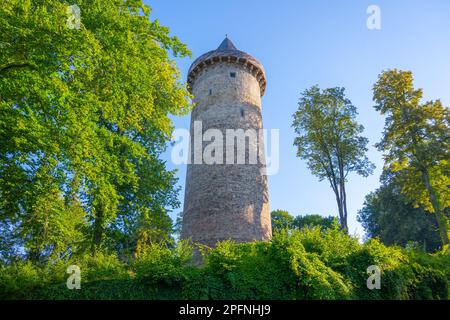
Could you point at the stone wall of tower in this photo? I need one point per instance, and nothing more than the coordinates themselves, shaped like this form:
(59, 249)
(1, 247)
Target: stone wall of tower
(226, 201)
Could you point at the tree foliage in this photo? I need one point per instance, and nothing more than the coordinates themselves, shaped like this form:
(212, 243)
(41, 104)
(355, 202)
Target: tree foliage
(315, 220)
(84, 116)
(388, 215)
(281, 219)
(329, 140)
(416, 144)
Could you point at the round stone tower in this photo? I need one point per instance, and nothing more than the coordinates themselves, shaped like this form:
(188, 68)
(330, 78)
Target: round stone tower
(226, 197)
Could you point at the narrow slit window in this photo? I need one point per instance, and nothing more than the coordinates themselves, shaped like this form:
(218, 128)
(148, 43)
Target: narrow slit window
(242, 113)
(210, 91)
(233, 74)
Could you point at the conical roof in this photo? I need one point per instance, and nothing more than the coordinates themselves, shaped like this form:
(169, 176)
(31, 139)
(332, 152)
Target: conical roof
(226, 45)
(227, 52)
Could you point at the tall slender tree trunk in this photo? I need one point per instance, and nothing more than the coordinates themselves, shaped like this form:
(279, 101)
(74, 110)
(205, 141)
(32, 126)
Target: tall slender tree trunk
(98, 230)
(442, 220)
(342, 217)
(344, 205)
(337, 188)
(342, 193)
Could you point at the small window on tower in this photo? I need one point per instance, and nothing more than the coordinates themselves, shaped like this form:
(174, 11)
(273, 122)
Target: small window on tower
(210, 91)
(242, 113)
(233, 74)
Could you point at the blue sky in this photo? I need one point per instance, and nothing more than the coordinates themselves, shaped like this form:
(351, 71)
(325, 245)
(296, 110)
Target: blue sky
(303, 43)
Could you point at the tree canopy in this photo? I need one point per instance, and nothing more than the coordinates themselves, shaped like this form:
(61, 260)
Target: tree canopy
(84, 116)
(281, 220)
(315, 220)
(416, 144)
(389, 216)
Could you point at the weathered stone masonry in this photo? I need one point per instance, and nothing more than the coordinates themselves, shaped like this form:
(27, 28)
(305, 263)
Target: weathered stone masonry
(226, 201)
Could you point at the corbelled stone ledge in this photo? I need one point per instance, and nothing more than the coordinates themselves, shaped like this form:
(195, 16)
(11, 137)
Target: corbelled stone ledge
(227, 53)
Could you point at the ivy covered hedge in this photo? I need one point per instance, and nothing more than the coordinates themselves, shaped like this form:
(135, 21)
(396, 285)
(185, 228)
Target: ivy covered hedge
(300, 264)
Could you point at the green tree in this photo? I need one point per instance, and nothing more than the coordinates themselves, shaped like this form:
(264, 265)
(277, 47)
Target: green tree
(329, 140)
(178, 225)
(84, 116)
(416, 144)
(389, 216)
(314, 220)
(281, 219)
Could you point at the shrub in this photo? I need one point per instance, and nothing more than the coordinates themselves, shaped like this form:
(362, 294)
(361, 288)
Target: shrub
(159, 263)
(432, 275)
(246, 271)
(315, 279)
(281, 269)
(101, 266)
(297, 264)
(395, 273)
(21, 275)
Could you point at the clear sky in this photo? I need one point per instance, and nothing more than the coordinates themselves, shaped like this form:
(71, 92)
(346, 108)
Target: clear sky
(303, 43)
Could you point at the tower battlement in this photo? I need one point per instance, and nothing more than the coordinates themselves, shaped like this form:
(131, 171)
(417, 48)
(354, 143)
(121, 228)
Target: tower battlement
(227, 52)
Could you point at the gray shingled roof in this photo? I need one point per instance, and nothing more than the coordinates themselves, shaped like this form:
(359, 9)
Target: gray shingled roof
(227, 51)
(226, 45)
